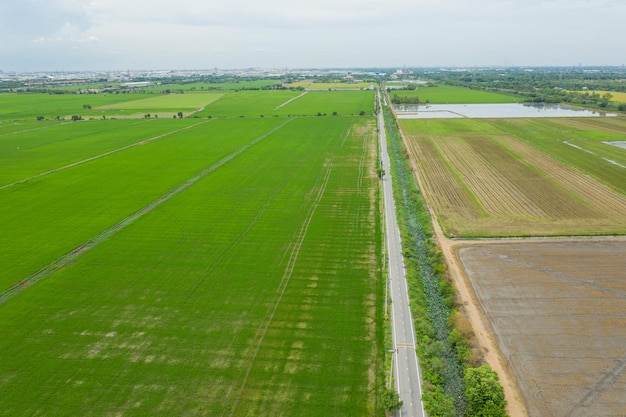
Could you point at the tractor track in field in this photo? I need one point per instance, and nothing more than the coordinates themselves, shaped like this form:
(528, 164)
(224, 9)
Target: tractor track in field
(289, 101)
(72, 256)
(17, 132)
(294, 252)
(102, 155)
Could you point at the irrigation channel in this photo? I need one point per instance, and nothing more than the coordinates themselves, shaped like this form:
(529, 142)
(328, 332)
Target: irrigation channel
(405, 362)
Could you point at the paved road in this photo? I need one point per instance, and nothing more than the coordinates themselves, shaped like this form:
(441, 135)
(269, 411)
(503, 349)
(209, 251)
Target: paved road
(405, 364)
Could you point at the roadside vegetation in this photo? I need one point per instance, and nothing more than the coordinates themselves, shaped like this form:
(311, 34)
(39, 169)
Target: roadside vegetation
(444, 336)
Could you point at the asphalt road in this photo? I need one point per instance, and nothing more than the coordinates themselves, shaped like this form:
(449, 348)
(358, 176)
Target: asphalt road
(405, 362)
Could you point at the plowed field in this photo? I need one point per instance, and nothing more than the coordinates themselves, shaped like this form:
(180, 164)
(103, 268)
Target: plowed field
(525, 180)
(558, 313)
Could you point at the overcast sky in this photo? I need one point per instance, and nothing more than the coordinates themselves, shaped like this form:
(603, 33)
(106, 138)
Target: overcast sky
(62, 35)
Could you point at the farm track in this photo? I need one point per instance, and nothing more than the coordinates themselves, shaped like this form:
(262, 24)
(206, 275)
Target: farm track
(17, 132)
(200, 109)
(294, 251)
(289, 101)
(102, 155)
(72, 256)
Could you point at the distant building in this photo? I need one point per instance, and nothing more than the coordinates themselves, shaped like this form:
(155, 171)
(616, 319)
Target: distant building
(137, 84)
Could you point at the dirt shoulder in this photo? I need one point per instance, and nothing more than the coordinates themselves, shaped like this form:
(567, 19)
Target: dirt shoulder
(482, 329)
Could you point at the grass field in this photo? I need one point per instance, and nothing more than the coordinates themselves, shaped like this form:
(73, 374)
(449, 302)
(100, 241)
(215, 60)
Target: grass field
(225, 267)
(445, 94)
(221, 86)
(247, 103)
(310, 85)
(29, 106)
(522, 176)
(168, 101)
(42, 147)
(328, 102)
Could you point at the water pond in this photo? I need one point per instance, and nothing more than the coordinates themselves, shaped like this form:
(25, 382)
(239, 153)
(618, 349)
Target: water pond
(495, 111)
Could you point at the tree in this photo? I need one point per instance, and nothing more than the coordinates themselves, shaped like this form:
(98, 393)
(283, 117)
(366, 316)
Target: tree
(180, 114)
(391, 400)
(485, 395)
(40, 118)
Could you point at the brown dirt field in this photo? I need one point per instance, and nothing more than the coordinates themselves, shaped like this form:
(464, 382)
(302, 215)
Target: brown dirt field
(557, 312)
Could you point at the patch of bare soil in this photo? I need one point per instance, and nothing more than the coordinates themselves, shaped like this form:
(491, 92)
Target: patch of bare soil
(552, 314)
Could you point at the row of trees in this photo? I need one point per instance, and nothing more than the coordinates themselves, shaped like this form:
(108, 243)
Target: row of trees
(396, 99)
(550, 85)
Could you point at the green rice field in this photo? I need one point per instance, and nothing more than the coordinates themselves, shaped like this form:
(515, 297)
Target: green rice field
(446, 94)
(192, 267)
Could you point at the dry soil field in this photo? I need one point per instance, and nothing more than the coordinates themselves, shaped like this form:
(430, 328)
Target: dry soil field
(549, 313)
(558, 313)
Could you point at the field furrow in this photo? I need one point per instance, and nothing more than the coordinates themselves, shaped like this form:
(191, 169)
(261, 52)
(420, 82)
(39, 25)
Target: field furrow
(497, 194)
(596, 195)
(536, 186)
(447, 192)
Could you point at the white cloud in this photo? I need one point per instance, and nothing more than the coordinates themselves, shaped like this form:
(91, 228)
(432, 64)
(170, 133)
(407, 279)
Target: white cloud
(240, 33)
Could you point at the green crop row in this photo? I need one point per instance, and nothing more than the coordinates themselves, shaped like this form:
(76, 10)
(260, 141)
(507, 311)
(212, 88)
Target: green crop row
(247, 103)
(328, 103)
(252, 292)
(52, 215)
(51, 146)
(30, 106)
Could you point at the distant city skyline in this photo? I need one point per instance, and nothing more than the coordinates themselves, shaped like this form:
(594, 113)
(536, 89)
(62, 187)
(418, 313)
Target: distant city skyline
(77, 35)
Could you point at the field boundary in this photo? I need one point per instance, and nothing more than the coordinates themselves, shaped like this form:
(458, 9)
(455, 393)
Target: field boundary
(72, 256)
(17, 132)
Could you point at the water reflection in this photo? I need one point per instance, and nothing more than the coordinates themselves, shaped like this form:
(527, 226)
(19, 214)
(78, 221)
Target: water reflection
(487, 111)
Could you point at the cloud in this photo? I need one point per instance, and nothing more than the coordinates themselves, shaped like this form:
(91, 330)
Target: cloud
(242, 33)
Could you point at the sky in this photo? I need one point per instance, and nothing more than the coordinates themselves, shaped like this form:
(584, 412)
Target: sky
(109, 35)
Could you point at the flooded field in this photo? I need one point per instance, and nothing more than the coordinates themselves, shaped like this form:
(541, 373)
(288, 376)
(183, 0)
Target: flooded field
(492, 111)
(619, 143)
(558, 314)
